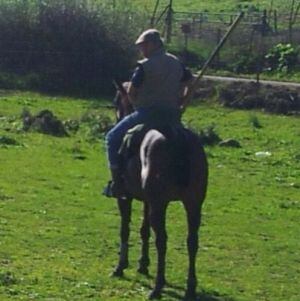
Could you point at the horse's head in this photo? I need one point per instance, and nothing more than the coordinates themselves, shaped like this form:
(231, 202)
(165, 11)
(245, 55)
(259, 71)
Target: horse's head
(121, 102)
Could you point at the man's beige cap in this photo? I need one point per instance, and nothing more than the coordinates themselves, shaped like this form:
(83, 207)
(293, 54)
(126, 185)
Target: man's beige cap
(150, 35)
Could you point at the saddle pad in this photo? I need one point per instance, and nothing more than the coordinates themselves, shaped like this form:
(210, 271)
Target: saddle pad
(132, 140)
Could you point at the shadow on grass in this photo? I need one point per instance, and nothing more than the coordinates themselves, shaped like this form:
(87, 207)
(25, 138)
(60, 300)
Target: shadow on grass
(210, 296)
(176, 292)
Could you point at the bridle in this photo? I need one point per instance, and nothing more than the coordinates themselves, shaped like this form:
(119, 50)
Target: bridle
(118, 102)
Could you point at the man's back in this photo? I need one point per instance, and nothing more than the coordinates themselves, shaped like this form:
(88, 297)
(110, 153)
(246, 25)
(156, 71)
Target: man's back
(162, 80)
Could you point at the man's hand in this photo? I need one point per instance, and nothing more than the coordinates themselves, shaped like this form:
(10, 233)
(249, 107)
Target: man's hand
(186, 95)
(126, 104)
(132, 93)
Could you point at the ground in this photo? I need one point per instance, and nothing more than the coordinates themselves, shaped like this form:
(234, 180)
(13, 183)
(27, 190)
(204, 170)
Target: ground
(59, 236)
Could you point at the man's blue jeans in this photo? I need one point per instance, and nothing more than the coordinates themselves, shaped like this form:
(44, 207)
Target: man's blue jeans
(115, 136)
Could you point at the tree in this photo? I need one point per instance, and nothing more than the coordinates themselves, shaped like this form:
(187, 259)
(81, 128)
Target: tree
(294, 11)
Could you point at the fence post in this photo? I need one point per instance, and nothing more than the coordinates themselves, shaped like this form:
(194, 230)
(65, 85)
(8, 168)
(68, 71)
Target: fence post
(169, 21)
(275, 21)
(264, 23)
(219, 37)
(200, 21)
(154, 14)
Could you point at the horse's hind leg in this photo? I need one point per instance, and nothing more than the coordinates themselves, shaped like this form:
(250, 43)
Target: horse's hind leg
(158, 224)
(144, 260)
(193, 210)
(125, 212)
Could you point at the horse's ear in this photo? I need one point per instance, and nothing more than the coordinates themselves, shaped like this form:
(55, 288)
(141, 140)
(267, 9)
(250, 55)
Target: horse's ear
(116, 99)
(116, 84)
(119, 86)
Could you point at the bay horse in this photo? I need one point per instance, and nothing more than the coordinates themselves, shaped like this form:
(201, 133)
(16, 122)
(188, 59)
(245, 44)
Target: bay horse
(148, 178)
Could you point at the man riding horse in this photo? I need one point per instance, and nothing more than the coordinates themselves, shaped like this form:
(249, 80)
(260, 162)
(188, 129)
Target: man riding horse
(156, 91)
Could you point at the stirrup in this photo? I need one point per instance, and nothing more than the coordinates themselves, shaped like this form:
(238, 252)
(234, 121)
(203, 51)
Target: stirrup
(109, 192)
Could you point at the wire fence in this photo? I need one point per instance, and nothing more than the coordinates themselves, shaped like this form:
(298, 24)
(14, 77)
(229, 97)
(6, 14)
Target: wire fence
(205, 28)
(56, 58)
(193, 23)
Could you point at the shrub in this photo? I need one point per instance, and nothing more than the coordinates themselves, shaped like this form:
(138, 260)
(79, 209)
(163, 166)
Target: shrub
(7, 279)
(4, 140)
(208, 135)
(190, 58)
(282, 57)
(252, 96)
(247, 62)
(71, 45)
(254, 121)
(98, 124)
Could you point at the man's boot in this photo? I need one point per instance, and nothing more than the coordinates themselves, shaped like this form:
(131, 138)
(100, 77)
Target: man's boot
(115, 187)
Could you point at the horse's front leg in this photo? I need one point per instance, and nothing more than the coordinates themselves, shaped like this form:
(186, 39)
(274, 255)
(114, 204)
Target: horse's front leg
(125, 212)
(144, 260)
(158, 224)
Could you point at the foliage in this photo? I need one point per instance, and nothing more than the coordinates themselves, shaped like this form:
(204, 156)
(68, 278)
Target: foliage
(208, 134)
(254, 121)
(254, 96)
(282, 57)
(79, 46)
(66, 45)
(5, 140)
(190, 58)
(247, 62)
(7, 279)
(98, 124)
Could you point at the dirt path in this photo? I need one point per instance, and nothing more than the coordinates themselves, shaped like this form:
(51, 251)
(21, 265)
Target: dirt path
(246, 80)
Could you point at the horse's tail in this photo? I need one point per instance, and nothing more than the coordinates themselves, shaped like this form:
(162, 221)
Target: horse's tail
(153, 154)
(165, 159)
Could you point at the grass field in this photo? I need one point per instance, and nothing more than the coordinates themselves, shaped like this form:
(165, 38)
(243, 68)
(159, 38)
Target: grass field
(59, 236)
(212, 5)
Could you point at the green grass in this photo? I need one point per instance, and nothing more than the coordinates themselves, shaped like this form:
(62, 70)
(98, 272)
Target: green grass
(289, 77)
(59, 236)
(211, 5)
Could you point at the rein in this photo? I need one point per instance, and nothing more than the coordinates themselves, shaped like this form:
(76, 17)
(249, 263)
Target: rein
(122, 106)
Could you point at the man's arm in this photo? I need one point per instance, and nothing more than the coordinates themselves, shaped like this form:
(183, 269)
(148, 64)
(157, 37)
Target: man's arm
(132, 93)
(135, 82)
(186, 82)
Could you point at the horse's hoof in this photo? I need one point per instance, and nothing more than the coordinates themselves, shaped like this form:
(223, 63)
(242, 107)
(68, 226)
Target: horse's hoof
(117, 273)
(190, 296)
(143, 270)
(155, 294)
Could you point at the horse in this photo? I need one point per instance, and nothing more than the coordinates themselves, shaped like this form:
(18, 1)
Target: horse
(148, 178)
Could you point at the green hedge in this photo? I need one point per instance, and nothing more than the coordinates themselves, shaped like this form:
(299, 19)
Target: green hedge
(67, 45)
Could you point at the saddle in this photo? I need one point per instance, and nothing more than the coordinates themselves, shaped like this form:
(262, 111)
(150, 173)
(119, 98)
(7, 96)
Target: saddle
(177, 147)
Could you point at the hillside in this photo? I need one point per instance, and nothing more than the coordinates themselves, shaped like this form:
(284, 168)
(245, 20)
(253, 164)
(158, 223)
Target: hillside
(213, 5)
